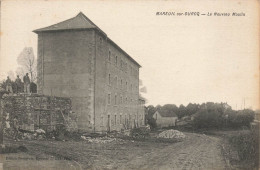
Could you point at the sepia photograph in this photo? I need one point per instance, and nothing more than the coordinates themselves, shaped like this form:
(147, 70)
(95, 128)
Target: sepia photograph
(129, 85)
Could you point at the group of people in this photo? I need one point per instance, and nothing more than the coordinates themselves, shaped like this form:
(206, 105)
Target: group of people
(20, 87)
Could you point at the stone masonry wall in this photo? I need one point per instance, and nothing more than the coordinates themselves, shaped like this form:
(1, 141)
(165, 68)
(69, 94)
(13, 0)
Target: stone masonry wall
(38, 111)
(66, 69)
(117, 76)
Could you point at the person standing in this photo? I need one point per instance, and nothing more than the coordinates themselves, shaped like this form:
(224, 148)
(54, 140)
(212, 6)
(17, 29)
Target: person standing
(9, 85)
(18, 84)
(26, 81)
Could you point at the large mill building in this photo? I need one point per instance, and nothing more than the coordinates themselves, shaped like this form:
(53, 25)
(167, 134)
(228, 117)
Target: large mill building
(77, 59)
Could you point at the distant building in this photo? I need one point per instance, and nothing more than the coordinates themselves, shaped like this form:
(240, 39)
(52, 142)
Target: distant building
(77, 59)
(165, 119)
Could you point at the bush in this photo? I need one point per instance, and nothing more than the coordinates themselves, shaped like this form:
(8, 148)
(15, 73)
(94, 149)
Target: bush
(141, 132)
(217, 118)
(207, 119)
(247, 147)
(240, 118)
(151, 122)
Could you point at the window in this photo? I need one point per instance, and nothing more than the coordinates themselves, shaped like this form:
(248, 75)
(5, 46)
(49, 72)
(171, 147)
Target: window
(116, 81)
(126, 67)
(126, 100)
(116, 60)
(120, 119)
(115, 119)
(121, 63)
(115, 99)
(121, 83)
(109, 98)
(109, 56)
(121, 100)
(126, 86)
(109, 79)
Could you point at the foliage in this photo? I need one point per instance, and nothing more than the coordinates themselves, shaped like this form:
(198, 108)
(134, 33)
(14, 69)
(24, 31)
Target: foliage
(206, 115)
(189, 110)
(207, 118)
(150, 121)
(27, 63)
(240, 118)
(169, 109)
(213, 115)
(246, 143)
(150, 110)
(141, 132)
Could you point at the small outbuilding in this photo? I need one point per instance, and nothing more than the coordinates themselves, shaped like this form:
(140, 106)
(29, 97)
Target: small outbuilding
(165, 119)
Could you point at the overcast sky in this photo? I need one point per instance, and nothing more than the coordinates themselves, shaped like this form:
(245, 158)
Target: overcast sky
(184, 59)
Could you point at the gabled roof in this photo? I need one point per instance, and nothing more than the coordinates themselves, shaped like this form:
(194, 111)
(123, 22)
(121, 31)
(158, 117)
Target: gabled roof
(166, 114)
(80, 22)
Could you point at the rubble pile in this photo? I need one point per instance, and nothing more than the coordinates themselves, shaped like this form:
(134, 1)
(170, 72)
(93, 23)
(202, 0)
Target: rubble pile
(31, 135)
(34, 111)
(171, 134)
(101, 140)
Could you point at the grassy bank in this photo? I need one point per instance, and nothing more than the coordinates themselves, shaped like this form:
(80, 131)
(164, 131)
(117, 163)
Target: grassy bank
(240, 147)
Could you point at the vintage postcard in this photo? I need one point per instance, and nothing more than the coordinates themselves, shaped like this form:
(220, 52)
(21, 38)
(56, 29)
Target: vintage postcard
(129, 84)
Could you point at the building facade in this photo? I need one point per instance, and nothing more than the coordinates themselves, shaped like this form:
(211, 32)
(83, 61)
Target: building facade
(76, 59)
(165, 119)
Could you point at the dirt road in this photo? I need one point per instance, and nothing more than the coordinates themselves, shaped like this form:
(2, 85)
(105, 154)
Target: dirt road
(197, 151)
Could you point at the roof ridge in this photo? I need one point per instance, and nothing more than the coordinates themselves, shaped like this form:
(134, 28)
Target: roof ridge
(81, 14)
(86, 18)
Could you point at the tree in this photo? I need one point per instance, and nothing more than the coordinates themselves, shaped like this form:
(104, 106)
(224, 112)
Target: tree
(182, 111)
(20, 71)
(151, 110)
(158, 108)
(191, 109)
(149, 116)
(169, 109)
(27, 62)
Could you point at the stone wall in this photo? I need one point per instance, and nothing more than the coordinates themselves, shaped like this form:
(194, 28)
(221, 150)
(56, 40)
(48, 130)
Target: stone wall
(122, 110)
(66, 69)
(35, 111)
(76, 64)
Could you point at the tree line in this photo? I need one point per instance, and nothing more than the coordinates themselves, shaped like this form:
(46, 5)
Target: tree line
(205, 115)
